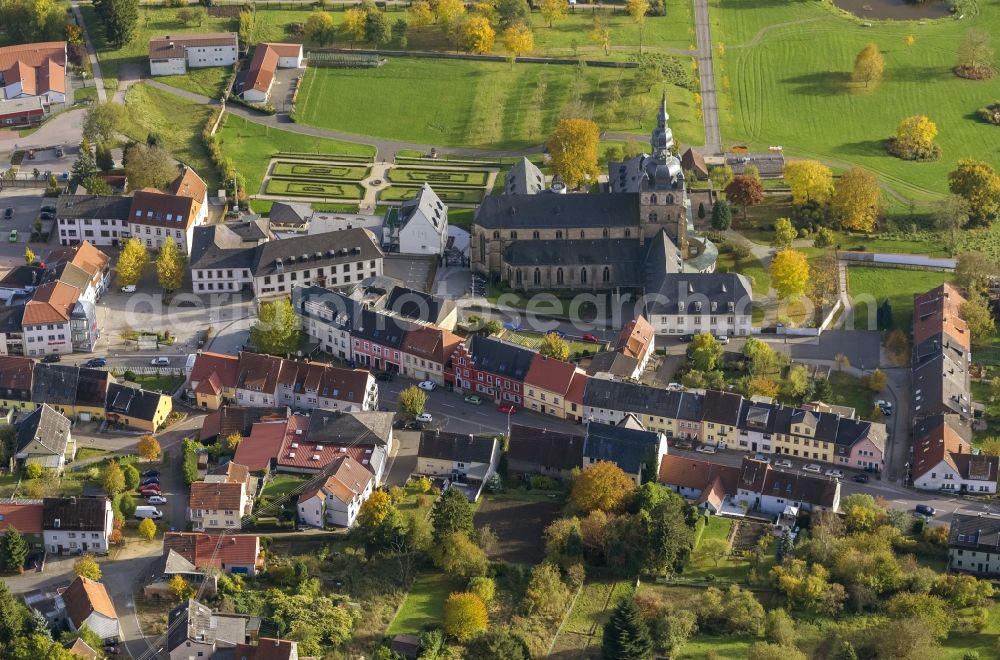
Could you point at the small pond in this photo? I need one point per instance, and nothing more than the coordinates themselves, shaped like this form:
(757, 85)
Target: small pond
(896, 10)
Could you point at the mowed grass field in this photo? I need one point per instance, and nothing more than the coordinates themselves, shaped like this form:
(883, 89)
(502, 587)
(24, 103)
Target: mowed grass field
(896, 284)
(476, 104)
(785, 79)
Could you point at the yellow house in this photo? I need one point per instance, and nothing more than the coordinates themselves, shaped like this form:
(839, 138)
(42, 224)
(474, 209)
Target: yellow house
(72, 391)
(15, 382)
(804, 436)
(213, 379)
(720, 417)
(547, 384)
(138, 409)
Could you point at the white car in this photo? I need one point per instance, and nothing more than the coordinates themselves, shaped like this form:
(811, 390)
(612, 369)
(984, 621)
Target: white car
(706, 449)
(783, 463)
(428, 385)
(722, 339)
(762, 457)
(128, 288)
(425, 417)
(160, 362)
(812, 467)
(156, 499)
(836, 474)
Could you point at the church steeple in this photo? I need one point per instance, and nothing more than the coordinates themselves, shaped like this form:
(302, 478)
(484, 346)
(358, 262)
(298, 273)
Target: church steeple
(662, 138)
(662, 116)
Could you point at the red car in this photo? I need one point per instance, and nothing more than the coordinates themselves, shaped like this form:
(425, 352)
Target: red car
(590, 336)
(507, 408)
(151, 489)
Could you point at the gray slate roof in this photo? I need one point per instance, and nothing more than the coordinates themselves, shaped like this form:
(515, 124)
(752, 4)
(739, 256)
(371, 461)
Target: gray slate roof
(418, 306)
(291, 215)
(428, 204)
(54, 383)
(558, 211)
(627, 448)
(461, 447)
(493, 355)
(370, 427)
(302, 252)
(48, 427)
(715, 292)
(524, 178)
(625, 254)
(93, 207)
(614, 363)
(229, 245)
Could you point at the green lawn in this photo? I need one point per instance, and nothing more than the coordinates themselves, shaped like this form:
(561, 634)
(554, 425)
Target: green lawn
(461, 217)
(315, 189)
(282, 484)
(533, 340)
(177, 121)
(210, 81)
(867, 284)
(590, 612)
(438, 177)
(251, 147)
(749, 266)
(447, 195)
(424, 605)
(159, 383)
(479, 104)
(317, 171)
(86, 453)
(848, 391)
(791, 87)
(7, 484)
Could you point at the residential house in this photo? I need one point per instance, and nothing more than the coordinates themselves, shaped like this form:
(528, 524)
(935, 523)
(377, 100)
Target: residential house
(628, 445)
(44, 438)
(309, 385)
(76, 524)
(82, 649)
(28, 111)
(678, 414)
(612, 365)
(534, 450)
(941, 355)
(338, 499)
(267, 58)
(763, 489)
(524, 178)
(259, 449)
(237, 419)
(171, 564)
(974, 543)
(367, 436)
(693, 303)
(82, 266)
(26, 517)
(238, 554)
(137, 408)
(421, 224)
(287, 216)
(257, 379)
(573, 403)
(268, 648)
(156, 216)
(709, 484)
(467, 460)
(100, 219)
(72, 391)
(88, 604)
(47, 320)
(217, 505)
(942, 458)
(222, 255)
(15, 382)
(376, 341)
(196, 631)
(420, 307)
(327, 317)
(547, 384)
(426, 351)
(491, 368)
(636, 341)
(34, 70)
(212, 378)
(11, 330)
(174, 55)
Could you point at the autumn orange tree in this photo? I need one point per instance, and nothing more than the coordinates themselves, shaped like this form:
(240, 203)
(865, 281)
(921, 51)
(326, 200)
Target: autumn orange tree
(465, 616)
(148, 447)
(573, 150)
(789, 274)
(857, 200)
(868, 65)
(602, 486)
(745, 191)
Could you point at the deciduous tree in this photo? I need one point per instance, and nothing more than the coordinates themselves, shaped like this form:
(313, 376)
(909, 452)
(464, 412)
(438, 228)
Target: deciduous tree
(148, 166)
(378, 29)
(868, 65)
(626, 635)
(452, 513)
(510, 12)
(147, 529)
(353, 24)
(86, 566)
(498, 644)
(601, 33)
(132, 262)
(552, 11)
(573, 149)
(977, 314)
(915, 139)
(974, 270)
(479, 35)
(102, 122)
(714, 549)
(705, 352)
(449, 12)
(518, 40)
(857, 200)
(554, 346)
(789, 274)
(745, 191)
(276, 330)
(979, 185)
(796, 382)
(132, 477)
(465, 616)
(233, 441)
(126, 505)
(459, 557)
(412, 400)
(875, 381)
(320, 28)
(720, 176)
(769, 651)
(784, 233)
(29, 256)
(95, 185)
(637, 10)
(810, 181)
(170, 264)
(421, 14)
(824, 280)
(975, 57)
(602, 486)
(546, 594)
(148, 447)
(114, 479)
(180, 588)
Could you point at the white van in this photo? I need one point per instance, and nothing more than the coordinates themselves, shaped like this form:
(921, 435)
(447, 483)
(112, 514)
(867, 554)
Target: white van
(142, 512)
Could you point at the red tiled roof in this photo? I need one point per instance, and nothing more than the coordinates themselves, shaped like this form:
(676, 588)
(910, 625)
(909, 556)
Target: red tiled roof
(226, 367)
(159, 209)
(577, 388)
(15, 372)
(52, 303)
(936, 445)
(258, 372)
(263, 444)
(265, 62)
(33, 54)
(84, 597)
(267, 648)
(635, 338)
(697, 474)
(213, 550)
(347, 480)
(189, 185)
(211, 386)
(88, 258)
(216, 496)
(27, 518)
(39, 67)
(305, 450)
(550, 374)
(937, 311)
(430, 342)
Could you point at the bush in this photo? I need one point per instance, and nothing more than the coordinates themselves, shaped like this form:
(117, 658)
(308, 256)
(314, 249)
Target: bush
(991, 113)
(33, 471)
(541, 482)
(741, 250)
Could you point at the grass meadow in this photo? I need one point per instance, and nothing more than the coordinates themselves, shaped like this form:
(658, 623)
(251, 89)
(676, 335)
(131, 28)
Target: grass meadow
(896, 284)
(785, 80)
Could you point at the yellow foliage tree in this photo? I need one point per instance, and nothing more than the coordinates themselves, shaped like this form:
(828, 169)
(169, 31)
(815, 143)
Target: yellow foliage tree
(554, 346)
(449, 12)
(763, 386)
(170, 266)
(603, 486)
(147, 529)
(86, 566)
(131, 262)
(637, 9)
(29, 256)
(479, 35)
(552, 10)
(353, 24)
(180, 588)
(789, 274)
(148, 447)
(868, 65)
(573, 149)
(810, 181)
(601, 33)
(857, 200)
(979, 185)
(233, 441)
(375, 509)
(916, 133)
(320, 28)
(909, 40)
(465, 616)
(518, 40)
(421, 14)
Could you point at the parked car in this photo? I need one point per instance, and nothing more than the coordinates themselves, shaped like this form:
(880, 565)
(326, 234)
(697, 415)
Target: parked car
(425, 417)
(590, 336)
(150, 489)
(428, 385)
(761, 457)
(51, 357)
(384, 376)
(151, 473)
(722, 339)
(836, 474)
(31, 154)
(160, 362)
(860, 478)
(413, 426)
(507, 408)
(95, 363)
(150, 480)
(783, 463)
(128, 288)
(113, 649)
(882, 403)
(474, 399)
(8, 213)
(48, 216)
(156, 499)
(706, 449)
(812, 467)
(59, 152)
(925, 509)
(12, 237)
(685, 337)
(683, 444)
(675, 387)
(48, 208)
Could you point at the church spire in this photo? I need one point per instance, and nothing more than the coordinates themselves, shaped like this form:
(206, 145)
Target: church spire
(662, 116)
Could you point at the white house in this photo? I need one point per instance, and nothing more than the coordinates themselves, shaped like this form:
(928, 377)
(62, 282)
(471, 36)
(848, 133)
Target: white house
(170, 56)
(155, 216)
(267, 58)
(337, 500)
(423, 224)
(694, 303)
(943, 460)
(637, 340)
(217, 505)
(76, 524)
(36, 69)
(87, 604)
(222, 255)
(47, 319)
(102, 220)
(769, 491)
(974, 543)
(327, 317)
(44, 438)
